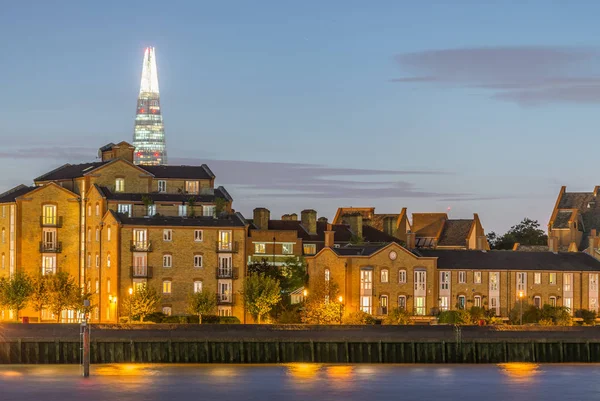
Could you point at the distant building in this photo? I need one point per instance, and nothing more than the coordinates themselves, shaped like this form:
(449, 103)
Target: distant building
(149, 131)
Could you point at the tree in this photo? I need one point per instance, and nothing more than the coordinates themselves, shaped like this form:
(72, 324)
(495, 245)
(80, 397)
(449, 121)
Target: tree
(398, 316)
(261, 293)
(15, 292)
(321, 306)
(39, 294)
(63, 293)
(142, 302)
(202, 303)
(527, 232)
(293, 274)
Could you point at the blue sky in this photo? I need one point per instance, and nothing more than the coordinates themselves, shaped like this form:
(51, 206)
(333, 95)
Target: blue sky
(474, 107)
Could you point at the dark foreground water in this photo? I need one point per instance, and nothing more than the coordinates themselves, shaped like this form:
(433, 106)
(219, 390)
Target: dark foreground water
(306, 382)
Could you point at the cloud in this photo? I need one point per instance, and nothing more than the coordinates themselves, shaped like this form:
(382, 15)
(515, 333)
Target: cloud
(51, 152)
(528, 75)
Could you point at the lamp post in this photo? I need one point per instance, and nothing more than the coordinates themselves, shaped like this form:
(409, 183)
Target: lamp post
(304, 294)
(521, 307)
(341, 305)
(130, 294)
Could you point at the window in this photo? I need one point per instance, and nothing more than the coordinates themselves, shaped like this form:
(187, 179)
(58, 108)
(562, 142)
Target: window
(594, 304)
(383, 304)
(167, 310)
(402, 302)
(420, 281)
(97, 234)
(477, 301)
(108, 313)
(89, 210)
(260, 248)
(287, 248)
(310, 249)
(537, 278)
(167, 260)
(120, 185)
(167, 235)
(97, 286)
(462, 277)
(124, 209)
(420, 306)
(191, 187)
(494, 304)
(49, 214)
(151, 211)
(461, 301)
(225, 240)
(402, 276)
(48, 265)
(3, 236)
(537, 301)
(197, 286)
(568, 279)
(444, 303)
(198, 235)
(568, 303)
(521, 281)
(97, 260)
(594, 282)
(366, 280)
(182, 210)
(365, 304)
(162, 186)
(167, 287)
(108, 285)
(108, 260)
(384, 275)
(108, 233)
(494, 281)
(209, 211)
(477, 277)
(552, 301)
(327, 275)
(89, 260)
(444, 280)
(97, 209)
(552, 279)
(89, 286)
(197, 260)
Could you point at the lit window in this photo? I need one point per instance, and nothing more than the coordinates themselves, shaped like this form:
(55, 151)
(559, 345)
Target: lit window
(260, 248)
(444, 303)
(552, 279)
(521, 281)
(197, 260)
(477, 301)
(198, 235)
(89, 210)
(287, 248)
(383, 305)
(89, 260)
(593, 281)
(568, 279)
(108, 233)
(537, 278)
(151, 210)
(461, 302)
(97, 260)
(444, 280)
(166, 287)
(402, 302)
(167, 260)
(477, 277)
(167, 235)
(124, 209)
(310, 249)
(552, 301)
(120, 185)
(182, 210)
(402, 276)
(327, 275)
(384, 275)
(49, 215)
(167, 310)
(462, 277)
(97, 286)
(209, 211)
(89, 235)
(108, 260)
(494, 281)
(197, 286)
(162, 186)
(97, 209)
(191, 187)
(97, 234)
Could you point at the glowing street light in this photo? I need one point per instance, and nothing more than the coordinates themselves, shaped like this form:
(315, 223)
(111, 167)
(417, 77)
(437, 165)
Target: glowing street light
(130, 294)
(521, 307)
(340, 299)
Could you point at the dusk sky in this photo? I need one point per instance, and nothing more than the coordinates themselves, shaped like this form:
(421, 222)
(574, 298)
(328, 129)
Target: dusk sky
(312, 104)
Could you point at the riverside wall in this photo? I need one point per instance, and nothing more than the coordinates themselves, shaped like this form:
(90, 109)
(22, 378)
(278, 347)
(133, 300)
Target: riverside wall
(60, 343)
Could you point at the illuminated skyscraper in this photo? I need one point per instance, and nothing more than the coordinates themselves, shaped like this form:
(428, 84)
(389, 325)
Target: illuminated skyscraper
(149, 131)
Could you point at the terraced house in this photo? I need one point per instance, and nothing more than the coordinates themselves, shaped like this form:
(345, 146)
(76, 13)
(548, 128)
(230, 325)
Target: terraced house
(114, 225)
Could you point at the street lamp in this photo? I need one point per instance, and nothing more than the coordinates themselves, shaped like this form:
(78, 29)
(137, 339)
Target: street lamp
(521, 307)
(341, 305)
(304, 294)
(130, 294)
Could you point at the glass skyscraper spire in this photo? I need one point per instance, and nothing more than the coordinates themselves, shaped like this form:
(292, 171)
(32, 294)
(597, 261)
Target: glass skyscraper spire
(149, 131)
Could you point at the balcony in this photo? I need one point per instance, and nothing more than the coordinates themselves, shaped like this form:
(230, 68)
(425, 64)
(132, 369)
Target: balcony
(50, 247)
(225, 299)
(51, 221)
(141, 271)
(227, 272)
(141, 246)
(227, 247)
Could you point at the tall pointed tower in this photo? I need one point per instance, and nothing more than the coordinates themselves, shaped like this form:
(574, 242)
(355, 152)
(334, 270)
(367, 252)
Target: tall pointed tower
(149, 131)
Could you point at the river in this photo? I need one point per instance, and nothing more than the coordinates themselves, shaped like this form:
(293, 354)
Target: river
(298, 381)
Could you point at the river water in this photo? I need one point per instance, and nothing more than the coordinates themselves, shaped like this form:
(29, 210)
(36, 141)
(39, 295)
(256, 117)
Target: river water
(306, 382)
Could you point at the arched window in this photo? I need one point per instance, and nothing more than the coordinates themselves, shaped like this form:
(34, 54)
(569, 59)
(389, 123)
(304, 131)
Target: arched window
(108, 233)
(108, 286)
(385, 274)
(167, 310)
(97, 234)
(197, 260)
(108, 260)
(383, 304)
(3, 235)
(97, 286)
(402, 276)
(402, 302)
(97, 209)
(327, 275)
(97, 260)
(89, 260)
(461, 302)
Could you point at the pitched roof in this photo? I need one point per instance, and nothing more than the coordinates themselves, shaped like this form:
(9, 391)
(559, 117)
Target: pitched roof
(210, 196)
(428, 224)
(587, 205)
(199, 172)
(234, 220)
(510, 260)
(69, 171)
(455, 232)
(12, 194)
(562, 219)
(361, 250)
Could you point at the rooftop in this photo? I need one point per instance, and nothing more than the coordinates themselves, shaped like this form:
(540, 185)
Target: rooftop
(12, 194)
(233, 220)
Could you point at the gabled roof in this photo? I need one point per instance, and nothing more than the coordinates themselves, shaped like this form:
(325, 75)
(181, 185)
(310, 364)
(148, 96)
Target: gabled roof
(183, 172)
(234, 220)
(12, 194)
(50, 185)
(455, 232)
(562, 218)
(428, 224)
(114, 161)
(510, 260)
(69, 171)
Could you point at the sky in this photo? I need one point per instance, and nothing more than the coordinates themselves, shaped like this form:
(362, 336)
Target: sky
(441, 106)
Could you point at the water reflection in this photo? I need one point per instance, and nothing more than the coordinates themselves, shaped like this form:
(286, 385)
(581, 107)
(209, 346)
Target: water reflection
(303, 370)
(519, 372)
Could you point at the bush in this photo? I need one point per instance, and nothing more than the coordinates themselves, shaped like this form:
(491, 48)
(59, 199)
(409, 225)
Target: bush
(531, 314)
(546, 316)
(289, 316)
(358, 317)
(588, 316)
(398, 316)
(156, 317)
(460, 316)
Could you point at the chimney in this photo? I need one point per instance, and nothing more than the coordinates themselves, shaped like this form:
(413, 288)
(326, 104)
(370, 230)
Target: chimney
(329, 238)
(411, 238)
(481, 243)
(309, 220)
(354, 220)
(389, 225)
(553, 244)
(261, 218)
(322, 219)
(592, 244)
(294, 217)
(285, 217)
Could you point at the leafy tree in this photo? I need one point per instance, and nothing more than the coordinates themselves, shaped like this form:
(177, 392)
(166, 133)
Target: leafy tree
(293, 274)
(588, 316)
(398, 316)
(15, 292)
(39, 294)
(290, 315)
(63, 293)
(460, 317)
(202, 303)
(261, 293)
(142, 302)
(527, 232)
(358, 318)
(321, 306)
(546, 316)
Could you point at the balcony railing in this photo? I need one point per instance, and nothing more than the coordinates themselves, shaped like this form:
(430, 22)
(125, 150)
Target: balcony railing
(225, 299)
(228, 247)
(141, 271)
(227, 272)
(51, 221)
(141, 246)
(50, 247)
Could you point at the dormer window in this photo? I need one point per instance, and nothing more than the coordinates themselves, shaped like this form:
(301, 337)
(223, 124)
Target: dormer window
(192, 187)
(162, 186)
(120, 185)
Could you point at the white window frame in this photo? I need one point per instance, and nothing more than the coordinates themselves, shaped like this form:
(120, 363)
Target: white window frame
(402, 276)
(537, 278)
(287, 248)
(167, 260)
(387, 304)
(192, 187)
(198, 259)
(552, 278)
(198, 235)
(151, 210)
(167, 235)
(197, 286)
(97, 209)
(462, 277)
(209, 210)
(124, 208)
(108, 233)
(260, 248)
(464, 302)
(182, 210)
(402, 302)
(540, 303)
(477, 301)
(384, 276)
(444, 280)
(552, 301)
(167, 310)
(108, 260)
(477, 277)
(119, 184)
(162, 186)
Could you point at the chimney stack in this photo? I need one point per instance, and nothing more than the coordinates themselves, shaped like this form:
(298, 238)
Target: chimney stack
(322, 220)
(389, 225)
(411, 239)
(329, 238)
(261, 218)
(294, 217)
(285, 217)
(354, 220)
(309, 220)
(553, 244)
(481, 242)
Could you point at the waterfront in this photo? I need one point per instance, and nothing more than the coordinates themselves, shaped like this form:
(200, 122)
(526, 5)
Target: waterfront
(514, 381)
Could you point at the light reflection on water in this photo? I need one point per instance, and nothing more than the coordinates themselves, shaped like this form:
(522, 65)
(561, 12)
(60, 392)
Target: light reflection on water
(301, 381)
